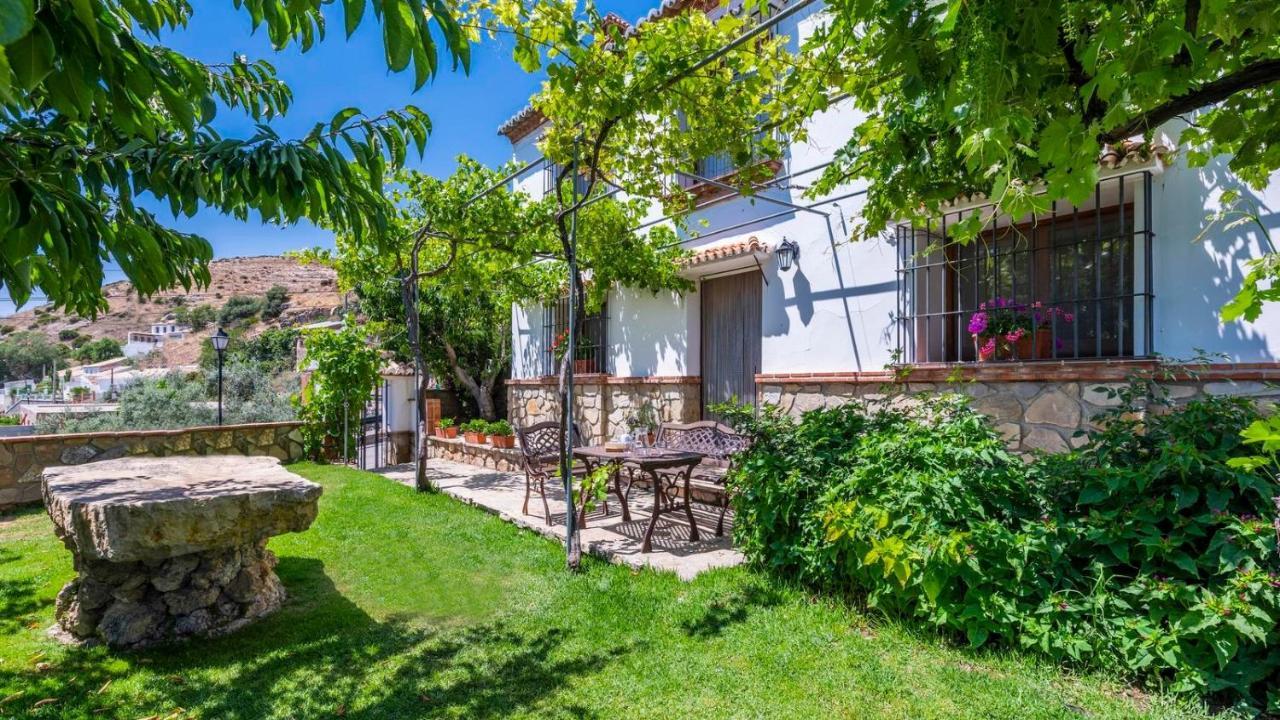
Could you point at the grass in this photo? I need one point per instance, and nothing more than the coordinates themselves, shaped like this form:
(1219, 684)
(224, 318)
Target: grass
(405, 606)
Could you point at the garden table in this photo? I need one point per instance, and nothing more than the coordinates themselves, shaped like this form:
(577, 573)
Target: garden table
(648, 461)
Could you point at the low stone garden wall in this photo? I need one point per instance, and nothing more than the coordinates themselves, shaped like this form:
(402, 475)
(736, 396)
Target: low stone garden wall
(458, 450)
(603, 403)
(1036, 406)
(22, 459)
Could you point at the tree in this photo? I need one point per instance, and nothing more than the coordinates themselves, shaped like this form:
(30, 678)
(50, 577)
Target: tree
(1017, 99)
(26, 354)
(99, 350)
(331, 404)
(94, 111)
(634, 109)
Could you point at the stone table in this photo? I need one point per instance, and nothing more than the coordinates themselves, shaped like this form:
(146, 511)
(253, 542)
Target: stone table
(167, 548)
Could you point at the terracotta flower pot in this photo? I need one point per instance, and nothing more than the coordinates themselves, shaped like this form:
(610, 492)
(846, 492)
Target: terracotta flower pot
(449, 432)
(1037, 345)
(584, 367)
(505, 442)
(475, 438)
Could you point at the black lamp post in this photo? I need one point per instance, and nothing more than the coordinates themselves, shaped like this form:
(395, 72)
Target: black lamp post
(219, 342)
(788, 254)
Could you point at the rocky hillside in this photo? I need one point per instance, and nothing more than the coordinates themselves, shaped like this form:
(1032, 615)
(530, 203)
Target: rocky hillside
(312, 290)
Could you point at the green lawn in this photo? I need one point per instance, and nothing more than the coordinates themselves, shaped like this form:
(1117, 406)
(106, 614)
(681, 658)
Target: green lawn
(405, 606)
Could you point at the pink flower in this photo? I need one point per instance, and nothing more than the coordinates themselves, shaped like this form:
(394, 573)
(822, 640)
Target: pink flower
(987, 350)
(1014, 335)
(978, 323)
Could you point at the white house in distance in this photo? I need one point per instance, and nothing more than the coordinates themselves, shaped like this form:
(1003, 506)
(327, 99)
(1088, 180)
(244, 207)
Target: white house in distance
(142, 343)
(1122, 282)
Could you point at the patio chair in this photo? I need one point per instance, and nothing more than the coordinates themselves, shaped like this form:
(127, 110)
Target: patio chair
(717, 443)
(540, 456)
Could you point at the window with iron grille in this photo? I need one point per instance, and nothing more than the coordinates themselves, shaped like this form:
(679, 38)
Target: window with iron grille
(589, 353)
(552, 172)
(1072, 283)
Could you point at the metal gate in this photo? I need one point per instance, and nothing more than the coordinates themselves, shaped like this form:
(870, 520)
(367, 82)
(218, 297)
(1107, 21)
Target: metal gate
(373, 445)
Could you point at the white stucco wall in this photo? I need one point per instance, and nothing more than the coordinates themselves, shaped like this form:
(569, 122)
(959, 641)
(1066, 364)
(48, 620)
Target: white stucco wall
(834, 312)
(1193, 279)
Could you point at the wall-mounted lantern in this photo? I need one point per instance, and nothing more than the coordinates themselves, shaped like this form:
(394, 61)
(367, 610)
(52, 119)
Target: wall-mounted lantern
(788, 254)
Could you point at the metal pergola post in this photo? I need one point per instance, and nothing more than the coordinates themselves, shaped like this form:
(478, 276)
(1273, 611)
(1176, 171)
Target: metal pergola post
(566, 433)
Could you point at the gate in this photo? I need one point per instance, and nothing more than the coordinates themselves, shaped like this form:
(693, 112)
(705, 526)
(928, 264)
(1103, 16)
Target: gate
(373, 444)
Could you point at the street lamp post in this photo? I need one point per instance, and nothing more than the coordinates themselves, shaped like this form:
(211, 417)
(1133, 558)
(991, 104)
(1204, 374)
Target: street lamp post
(219, 342)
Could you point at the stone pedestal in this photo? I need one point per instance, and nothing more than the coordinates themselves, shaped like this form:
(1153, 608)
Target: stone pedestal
(169, 548)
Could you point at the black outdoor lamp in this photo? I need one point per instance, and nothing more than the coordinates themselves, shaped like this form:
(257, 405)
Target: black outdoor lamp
(788, 253)
(219, 342)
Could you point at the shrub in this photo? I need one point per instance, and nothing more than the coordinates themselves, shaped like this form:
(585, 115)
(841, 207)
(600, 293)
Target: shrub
(68, 334)
(476, 425)
(240, 307)
(99, 350)
(445, 423)
(197, 318)
(275, 301)
(501, 428)
(1143, 552)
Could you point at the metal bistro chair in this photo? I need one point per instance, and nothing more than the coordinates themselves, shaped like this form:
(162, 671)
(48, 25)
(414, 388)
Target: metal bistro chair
(540, 455)
(717, 443)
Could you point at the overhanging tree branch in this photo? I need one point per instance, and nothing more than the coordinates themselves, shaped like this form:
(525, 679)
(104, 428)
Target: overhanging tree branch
(1255, 75)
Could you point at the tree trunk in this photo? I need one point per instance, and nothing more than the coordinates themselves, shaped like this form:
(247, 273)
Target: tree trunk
(409, 295)
(420, 481)
(483, 395)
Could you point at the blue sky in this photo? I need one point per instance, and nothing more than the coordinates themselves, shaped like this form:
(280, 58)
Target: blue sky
(465, 110)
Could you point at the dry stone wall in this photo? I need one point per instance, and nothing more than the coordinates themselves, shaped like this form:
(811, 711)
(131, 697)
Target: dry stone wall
(23, 459)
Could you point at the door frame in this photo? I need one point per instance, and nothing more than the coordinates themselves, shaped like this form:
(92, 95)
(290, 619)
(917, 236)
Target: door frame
(702, 334)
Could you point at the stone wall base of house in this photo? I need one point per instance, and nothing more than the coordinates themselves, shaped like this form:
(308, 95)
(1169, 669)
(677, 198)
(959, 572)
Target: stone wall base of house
(22, 459)
(1043, 408)
(487, 456)
(604, 404)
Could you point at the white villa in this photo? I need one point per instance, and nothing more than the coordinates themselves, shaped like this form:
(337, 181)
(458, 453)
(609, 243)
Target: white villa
(142, 343)
(1126, 278)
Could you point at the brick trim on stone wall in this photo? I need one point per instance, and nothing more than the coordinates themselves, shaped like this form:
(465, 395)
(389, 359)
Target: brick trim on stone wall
(604, 379)
(1043, 371)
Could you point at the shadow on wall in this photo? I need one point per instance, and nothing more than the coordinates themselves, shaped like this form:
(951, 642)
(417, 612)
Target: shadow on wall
(645, 334)
(1196, 278)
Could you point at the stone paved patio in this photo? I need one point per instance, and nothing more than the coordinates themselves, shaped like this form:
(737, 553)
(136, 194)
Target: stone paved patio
(502, 494)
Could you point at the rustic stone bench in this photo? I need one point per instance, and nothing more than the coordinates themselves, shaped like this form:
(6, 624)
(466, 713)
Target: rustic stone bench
(168, 548)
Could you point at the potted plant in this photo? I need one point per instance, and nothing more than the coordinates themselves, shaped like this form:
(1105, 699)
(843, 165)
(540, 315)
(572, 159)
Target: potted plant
(1005, 330)
(584, 361)
(475, 431)
(501, 435)
(644, 423)
(446, 428)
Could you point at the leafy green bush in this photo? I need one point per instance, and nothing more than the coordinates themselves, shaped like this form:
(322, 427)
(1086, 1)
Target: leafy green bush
(1144, 552)
(99, 350)
(68, 334)
(332, 403)
(240, 307)
(501, 428)
(445, 423)
(477, 425)
(197, 318)
(275, 302)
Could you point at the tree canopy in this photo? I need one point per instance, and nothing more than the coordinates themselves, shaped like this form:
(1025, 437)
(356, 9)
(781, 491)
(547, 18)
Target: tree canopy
(95, 112)
(1017, 98)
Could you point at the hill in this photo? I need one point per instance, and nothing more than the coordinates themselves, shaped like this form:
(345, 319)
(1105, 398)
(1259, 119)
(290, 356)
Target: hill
(312, 295)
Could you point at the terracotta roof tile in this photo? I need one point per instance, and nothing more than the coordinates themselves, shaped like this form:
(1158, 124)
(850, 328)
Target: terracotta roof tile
(725, 251)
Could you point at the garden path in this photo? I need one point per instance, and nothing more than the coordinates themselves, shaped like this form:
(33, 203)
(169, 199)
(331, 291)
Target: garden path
(502, 493)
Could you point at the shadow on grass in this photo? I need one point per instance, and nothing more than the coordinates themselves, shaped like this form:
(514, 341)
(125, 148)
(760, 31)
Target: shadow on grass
(733, 609)
(321, 656)
(19, 604)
